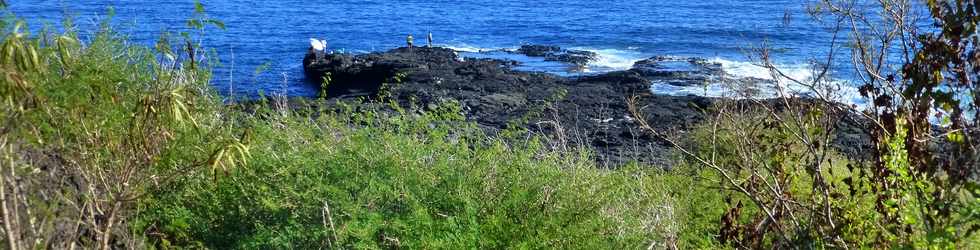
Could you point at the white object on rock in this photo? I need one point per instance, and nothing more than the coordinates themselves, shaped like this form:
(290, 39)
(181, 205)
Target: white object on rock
(318, 45)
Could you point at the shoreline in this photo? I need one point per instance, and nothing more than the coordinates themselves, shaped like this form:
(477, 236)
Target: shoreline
(582, 111)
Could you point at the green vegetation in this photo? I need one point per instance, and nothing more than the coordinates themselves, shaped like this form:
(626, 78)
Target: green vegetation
(779, 191)
(111, 145)
(401, 181)
(105, 144)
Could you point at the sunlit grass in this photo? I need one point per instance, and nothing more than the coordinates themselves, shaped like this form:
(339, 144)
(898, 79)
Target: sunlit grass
(112, 145)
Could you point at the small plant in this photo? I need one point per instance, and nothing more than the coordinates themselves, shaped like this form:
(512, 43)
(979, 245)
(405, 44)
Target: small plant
(324, 85)
(384, 92)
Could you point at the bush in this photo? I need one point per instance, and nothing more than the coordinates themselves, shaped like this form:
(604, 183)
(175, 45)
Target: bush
(416, 180)
(87, 127)
(105, 144)
(780, 182)
(112, 145)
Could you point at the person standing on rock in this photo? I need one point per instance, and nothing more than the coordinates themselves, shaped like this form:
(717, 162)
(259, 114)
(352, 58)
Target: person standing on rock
(429, 40)
(410, 40)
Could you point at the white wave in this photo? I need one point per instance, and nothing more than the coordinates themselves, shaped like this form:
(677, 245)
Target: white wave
(463, 48)
(789, 85)
(612, 59)
(615, 59)
(801, 72)
(709, 90)
(470, 48)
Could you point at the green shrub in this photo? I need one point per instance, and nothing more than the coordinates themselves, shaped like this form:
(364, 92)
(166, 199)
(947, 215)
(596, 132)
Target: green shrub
(136, 151)
(770, 194)
(90, 126)
(417, 180)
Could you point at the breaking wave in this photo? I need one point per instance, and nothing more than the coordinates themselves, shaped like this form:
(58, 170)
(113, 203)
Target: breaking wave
(769, 85)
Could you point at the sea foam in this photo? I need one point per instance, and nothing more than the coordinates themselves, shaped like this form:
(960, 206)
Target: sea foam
(788, 83)
(768, 85)
(612, 59)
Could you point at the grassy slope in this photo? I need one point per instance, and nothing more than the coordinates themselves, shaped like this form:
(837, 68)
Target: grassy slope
(157, 151)
(403, 182)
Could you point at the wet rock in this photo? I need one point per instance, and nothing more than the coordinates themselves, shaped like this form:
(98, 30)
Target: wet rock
(538, 50)
(576, 57)
(557, 54)
(679, 71)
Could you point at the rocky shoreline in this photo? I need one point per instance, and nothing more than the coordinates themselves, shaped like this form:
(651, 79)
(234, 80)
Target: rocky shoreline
(589, 110)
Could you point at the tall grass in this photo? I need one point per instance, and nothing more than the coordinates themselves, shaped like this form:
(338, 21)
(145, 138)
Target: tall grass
(90, 126)
(106, 144)
(407, 180)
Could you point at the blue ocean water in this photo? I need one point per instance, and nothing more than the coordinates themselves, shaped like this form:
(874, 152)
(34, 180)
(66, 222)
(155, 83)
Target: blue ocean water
(277, 32)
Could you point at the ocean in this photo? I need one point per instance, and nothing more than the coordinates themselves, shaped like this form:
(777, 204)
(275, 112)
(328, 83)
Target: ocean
(275, 34)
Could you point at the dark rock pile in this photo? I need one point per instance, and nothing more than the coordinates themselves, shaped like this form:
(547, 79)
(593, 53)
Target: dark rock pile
(588, 111)
(557, 54)
(679, 71)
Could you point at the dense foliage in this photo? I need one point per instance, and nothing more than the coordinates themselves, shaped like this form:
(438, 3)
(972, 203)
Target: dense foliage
(106, 144)
(917, 187)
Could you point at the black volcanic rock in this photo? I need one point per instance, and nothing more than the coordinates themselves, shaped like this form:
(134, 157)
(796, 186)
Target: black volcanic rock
(591, 110)
(679, 71)
(538, 50)
(587, 111)
(576, 57)
(365, 74)
(557, 54)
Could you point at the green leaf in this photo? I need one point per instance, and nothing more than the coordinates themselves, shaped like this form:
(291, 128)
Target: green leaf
(198, 7)
(216, 23)
(892, 202)
(956, 137)
(194, 24)
(945, 100)
(262, 68)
